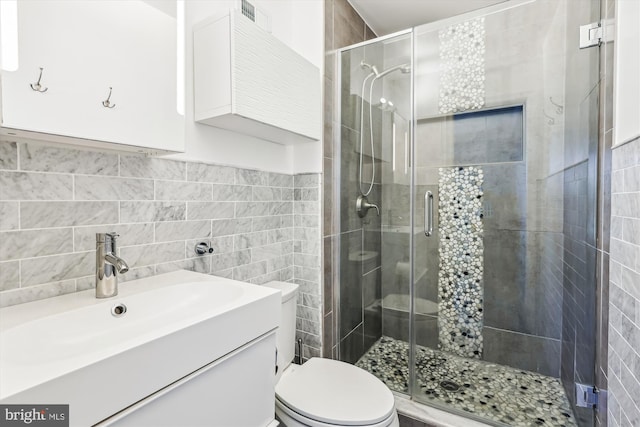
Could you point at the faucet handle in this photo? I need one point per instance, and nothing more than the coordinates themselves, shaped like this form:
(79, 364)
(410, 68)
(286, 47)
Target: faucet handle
(363, 206)
(102, 237)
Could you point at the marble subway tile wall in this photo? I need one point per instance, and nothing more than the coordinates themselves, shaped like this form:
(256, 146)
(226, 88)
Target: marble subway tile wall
(624, 290)
(54, 199)
(307, 261)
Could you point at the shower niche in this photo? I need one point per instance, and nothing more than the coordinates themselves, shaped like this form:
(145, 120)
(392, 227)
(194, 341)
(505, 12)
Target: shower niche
(490, 135)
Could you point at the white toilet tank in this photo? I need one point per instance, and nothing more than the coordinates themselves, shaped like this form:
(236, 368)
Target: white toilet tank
(286, 332)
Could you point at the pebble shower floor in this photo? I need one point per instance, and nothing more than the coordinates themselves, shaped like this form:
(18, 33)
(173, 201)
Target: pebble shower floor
(498, 393)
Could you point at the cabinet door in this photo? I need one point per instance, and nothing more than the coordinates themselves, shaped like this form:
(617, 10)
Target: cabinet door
(85, 48)
(235, 391)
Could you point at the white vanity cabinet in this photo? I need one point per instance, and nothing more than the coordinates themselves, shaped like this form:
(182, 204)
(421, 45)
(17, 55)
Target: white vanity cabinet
(86, 50)
(234, 391)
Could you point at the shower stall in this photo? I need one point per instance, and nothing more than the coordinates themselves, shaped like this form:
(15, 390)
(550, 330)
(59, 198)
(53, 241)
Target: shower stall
(467, 186)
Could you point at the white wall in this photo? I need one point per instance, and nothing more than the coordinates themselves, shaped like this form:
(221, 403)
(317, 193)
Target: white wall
(627, 72)
(300, 25)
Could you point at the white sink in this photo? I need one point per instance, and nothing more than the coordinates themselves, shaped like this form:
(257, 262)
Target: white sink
(73, 350)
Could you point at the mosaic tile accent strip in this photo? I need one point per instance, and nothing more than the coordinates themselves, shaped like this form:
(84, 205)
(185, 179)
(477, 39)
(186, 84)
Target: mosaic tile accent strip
(462, 73)
(496, 394)
(461, 249)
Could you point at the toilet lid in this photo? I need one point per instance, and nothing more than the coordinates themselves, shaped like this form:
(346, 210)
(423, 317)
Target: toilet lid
(335, 392)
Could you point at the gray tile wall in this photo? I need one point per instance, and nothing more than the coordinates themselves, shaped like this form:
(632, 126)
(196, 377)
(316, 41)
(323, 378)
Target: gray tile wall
(360, 315)
(307, 262)
(263, 226)
(568, 213)
(624, 291)
(343, 27)
(579, 287)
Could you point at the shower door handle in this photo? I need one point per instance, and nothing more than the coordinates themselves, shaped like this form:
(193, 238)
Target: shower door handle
(428, 213)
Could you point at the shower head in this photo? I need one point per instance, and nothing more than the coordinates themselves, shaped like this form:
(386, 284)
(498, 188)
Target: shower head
(384, 105)
(404, 69)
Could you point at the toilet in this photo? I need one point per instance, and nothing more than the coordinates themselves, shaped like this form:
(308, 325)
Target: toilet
(324, 392)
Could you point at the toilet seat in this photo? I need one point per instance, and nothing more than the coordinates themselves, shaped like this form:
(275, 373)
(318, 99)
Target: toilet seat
(325, 392)
(293, 419)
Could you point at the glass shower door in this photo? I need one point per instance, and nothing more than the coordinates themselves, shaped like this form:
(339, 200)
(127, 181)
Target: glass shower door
(375, 179)
(503, 102)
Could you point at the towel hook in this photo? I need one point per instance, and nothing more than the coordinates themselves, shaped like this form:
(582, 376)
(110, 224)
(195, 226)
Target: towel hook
(107, 102)
(559, 108)
(37, 86)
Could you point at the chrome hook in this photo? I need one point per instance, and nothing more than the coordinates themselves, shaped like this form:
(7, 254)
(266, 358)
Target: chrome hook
(37, 86)
(550, 119)
(107, 103)
(559, 108)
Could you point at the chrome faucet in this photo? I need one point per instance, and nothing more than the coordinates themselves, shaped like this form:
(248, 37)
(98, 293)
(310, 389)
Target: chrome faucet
(108, 265)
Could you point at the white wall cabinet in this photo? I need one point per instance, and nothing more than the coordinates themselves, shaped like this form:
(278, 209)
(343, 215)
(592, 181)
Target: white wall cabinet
(248, 81)
(86, 48)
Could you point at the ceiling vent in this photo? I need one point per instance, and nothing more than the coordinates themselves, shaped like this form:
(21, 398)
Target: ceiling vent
(248, 10)
(260, 17)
